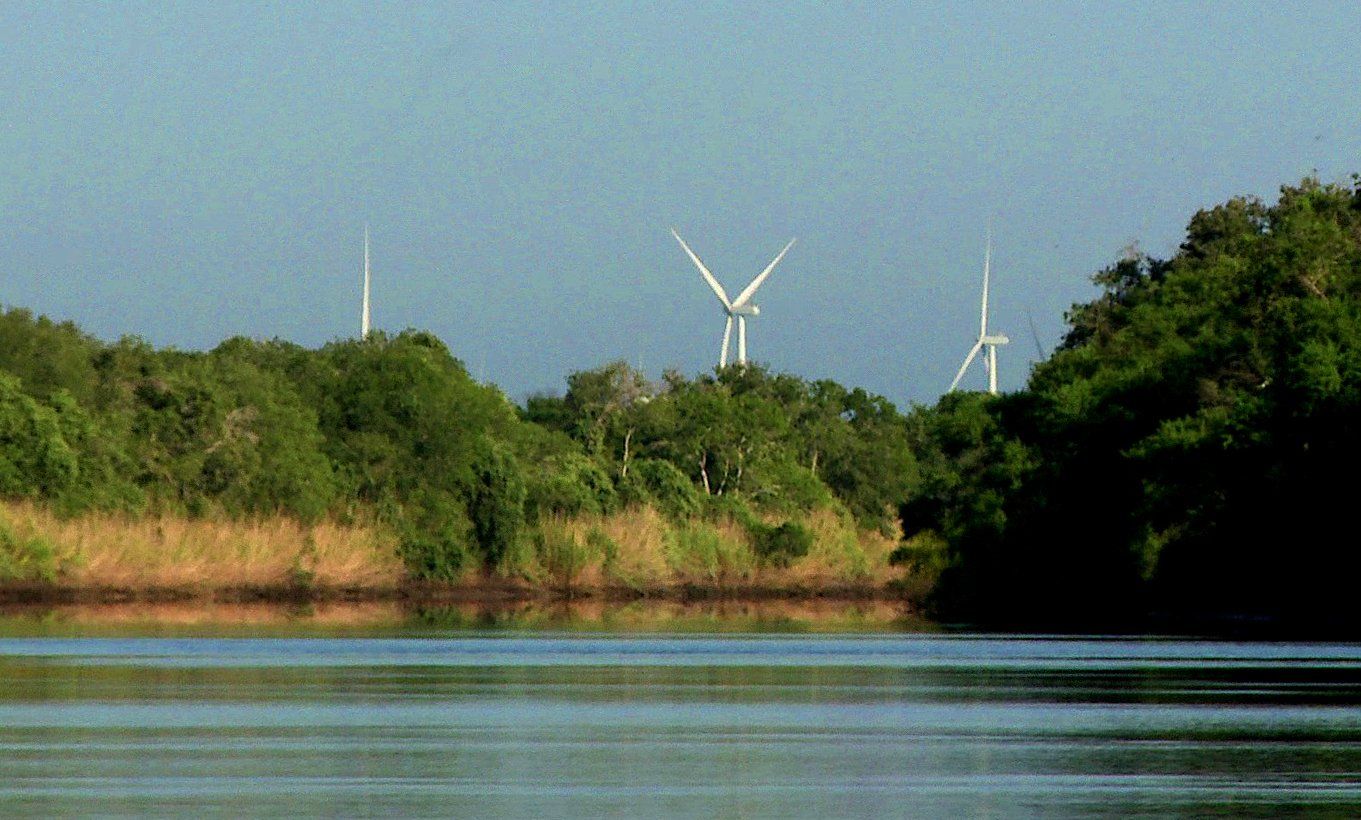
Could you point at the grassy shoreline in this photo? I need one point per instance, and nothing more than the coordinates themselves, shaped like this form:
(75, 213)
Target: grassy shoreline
(490, 593)
(635, 554)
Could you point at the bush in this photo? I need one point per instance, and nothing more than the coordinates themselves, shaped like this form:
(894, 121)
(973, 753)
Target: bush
(632, 492)
(700, 548)
(564, 555)
(570, 485)
(496, 506)
(433, 538)
(925, 552)
(775, 545)
(432, 556)
(662, 483)
(35, 459)
(782, 545)
(558, 493)
(25, 558)
(603, 545)
(925, 556)
(785, 486)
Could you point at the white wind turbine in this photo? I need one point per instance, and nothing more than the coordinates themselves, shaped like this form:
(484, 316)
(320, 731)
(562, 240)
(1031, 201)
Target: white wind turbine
(364, 312)
(739, 308)
(985, 339)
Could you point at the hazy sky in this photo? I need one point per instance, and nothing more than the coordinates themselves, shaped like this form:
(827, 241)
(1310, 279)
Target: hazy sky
(188, 172)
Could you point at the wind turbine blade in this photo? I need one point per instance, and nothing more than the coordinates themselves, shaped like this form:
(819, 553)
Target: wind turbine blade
(987, 265)
(756, 283)
(968, 360)
(708, 277)
(723, 354)
(1035, 335)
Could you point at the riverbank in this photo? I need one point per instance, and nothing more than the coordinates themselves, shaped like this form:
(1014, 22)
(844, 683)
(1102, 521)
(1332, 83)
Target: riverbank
(257, 618)
(634, 554)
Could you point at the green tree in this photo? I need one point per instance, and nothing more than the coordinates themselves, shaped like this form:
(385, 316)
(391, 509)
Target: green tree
(1188, 429)
(35, 459)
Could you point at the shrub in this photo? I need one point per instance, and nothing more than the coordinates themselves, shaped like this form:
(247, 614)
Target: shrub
(434, 534)
(700, 548)
(632, 491)
(925, 556)
(735, 508)
(25, 558)
(563, 554)
(35, 459)
(557, 493)
(496, 505)
(521, 560)
(432, 556)
(662, 483)
(570, 485)
(782, 545)
(923, 552)
(603, 545)
(785, 486)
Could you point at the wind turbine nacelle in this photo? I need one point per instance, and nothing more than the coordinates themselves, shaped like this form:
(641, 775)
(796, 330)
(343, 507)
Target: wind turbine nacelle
(996, 339)
(745, 310)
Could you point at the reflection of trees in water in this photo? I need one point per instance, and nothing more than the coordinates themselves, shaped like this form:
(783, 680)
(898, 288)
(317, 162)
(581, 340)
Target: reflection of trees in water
(774, 615)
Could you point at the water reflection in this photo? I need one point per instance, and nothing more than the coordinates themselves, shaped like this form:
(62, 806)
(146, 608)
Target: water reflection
(380, 710)
(389, 617)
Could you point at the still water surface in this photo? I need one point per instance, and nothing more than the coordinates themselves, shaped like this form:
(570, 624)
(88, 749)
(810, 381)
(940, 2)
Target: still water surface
(413, 719)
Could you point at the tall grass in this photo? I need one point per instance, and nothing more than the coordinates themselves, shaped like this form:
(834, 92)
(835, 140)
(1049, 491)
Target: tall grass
(843, 555)
(163, 552)
(641, 550)
(637, 550)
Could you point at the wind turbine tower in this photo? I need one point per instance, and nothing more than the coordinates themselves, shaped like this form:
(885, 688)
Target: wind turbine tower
(991, 341)
(364, 312)
(736, 309)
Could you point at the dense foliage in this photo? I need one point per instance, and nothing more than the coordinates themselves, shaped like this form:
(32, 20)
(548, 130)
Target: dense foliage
(774, 441)
(1188, 447)
(392, 430)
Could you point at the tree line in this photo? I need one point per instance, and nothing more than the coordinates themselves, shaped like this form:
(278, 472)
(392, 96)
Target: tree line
(392, 430)
(1188, 448)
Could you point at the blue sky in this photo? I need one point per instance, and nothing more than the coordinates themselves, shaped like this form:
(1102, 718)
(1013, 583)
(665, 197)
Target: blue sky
(188, 172)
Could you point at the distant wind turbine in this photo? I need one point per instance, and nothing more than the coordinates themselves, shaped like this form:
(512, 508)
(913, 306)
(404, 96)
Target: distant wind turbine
(990, 341)
(364, 313)
(739, 308)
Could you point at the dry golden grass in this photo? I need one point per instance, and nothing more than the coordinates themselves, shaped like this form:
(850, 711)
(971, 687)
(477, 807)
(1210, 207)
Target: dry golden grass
(646, 552)
(110, 550)
(636, 557)
(842, 554)
(636, 549)
(640, 535)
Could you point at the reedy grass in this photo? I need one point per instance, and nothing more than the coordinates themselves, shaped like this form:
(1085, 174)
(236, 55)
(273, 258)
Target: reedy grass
(635, 551)
(842, 554)
(164, 552)
(642, 551)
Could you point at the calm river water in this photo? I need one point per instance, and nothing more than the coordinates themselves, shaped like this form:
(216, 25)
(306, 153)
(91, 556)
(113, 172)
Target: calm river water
(459, 718)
